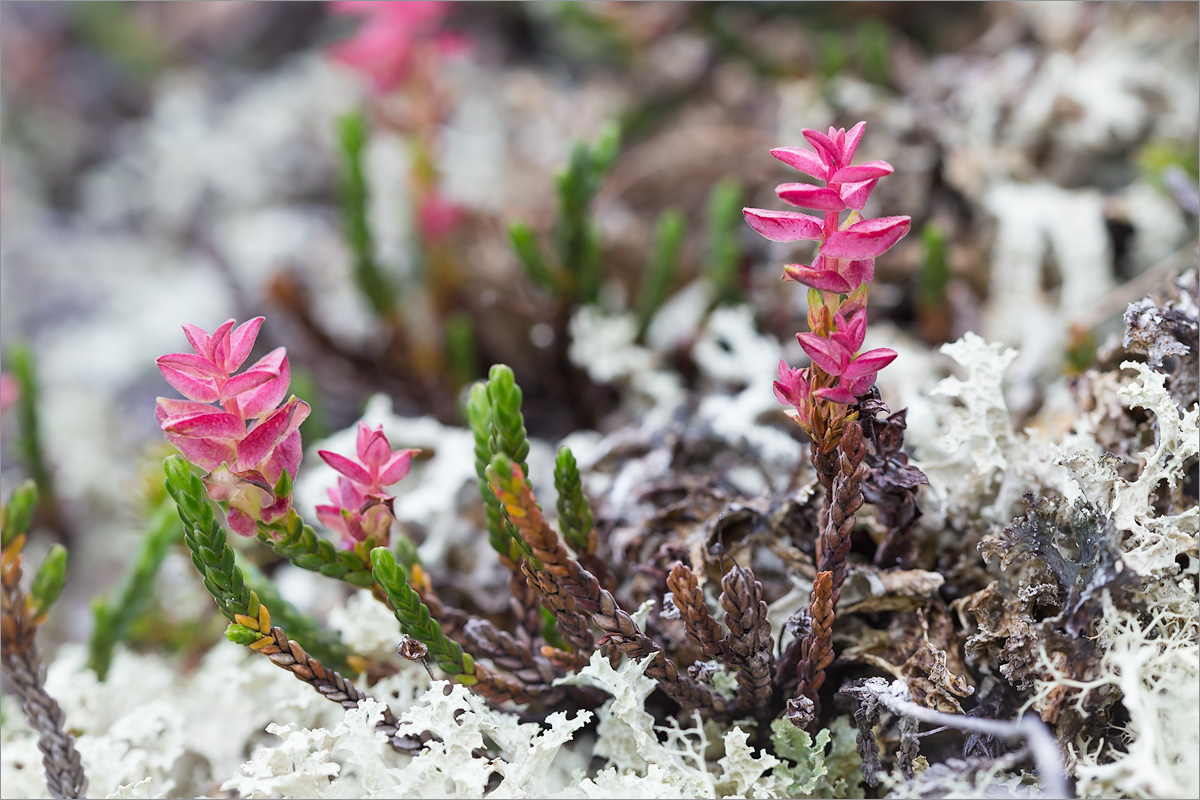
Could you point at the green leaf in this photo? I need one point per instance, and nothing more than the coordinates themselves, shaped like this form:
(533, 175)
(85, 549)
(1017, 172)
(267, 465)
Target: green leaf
(17, 513)
(575, 518)
(48, 581)
(240, 634)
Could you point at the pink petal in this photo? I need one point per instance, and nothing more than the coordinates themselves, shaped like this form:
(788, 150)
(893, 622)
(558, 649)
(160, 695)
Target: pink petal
(784, 226)
(806, 195)
(397, 467)
(286, 455)
(242, 342)
(825, 354)
(219, 345)
(856, 194)
(858, 272)
(170, 406)
(210, 424)
(866, 239)
(248, 381)
(869, 363)
(205, 453)
(850, 145)
(837, 395)
(198, 338)
(806, 161)
(190, 364)
(871, 170)
(281, 423)
(826, 149)
(826, 280)
(203, 390)
(240, 523)
(261, 401)
(350, 469)
(851, 331)
(331, 517)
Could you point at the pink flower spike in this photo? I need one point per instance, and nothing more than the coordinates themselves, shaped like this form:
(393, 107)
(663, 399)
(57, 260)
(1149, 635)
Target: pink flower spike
(826, 149)
(826, 280)
(826, 354)
(871, 170)
(850, 143)
(869, 363)
(806, 161)
(866, 239)
(806, 195)
(349, 468)
(784, 226)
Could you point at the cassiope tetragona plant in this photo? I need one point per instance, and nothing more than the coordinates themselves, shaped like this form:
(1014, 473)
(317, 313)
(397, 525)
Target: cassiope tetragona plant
(820, 396)
(248, 443)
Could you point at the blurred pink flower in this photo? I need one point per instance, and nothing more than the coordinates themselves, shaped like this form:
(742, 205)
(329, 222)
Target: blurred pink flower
(437, 216)
(384, 47)
(10, 391)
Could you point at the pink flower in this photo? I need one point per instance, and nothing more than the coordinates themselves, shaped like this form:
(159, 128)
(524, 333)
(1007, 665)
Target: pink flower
(838, 355)
(385, 46)
(792, 389)
(247, 444)
(359, 508)
(357, 516)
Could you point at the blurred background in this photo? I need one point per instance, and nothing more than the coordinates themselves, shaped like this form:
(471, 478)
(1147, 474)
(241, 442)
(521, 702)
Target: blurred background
(411, 192)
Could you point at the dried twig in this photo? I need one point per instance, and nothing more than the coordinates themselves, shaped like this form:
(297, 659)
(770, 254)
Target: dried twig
(23, 665)
(510, 486)
(702, 627)
(749, 638)
(874, 692)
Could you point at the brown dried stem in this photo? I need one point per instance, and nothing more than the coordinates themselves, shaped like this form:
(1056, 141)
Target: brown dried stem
(23, 665)
(749, 638)
(816, 651)
(569, 577)
(702, 627)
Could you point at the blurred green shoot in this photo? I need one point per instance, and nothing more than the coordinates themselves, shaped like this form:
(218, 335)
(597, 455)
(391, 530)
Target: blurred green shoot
(17, 513)
(29, 441)
(669, 234)
(305, 385)
(117, 31)
(461, 354)
(874, 52)
(935, 271)
(724, 225)
(114, 618)
(48, 582)
(375, 288)
(833, 54)
(576, 276)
